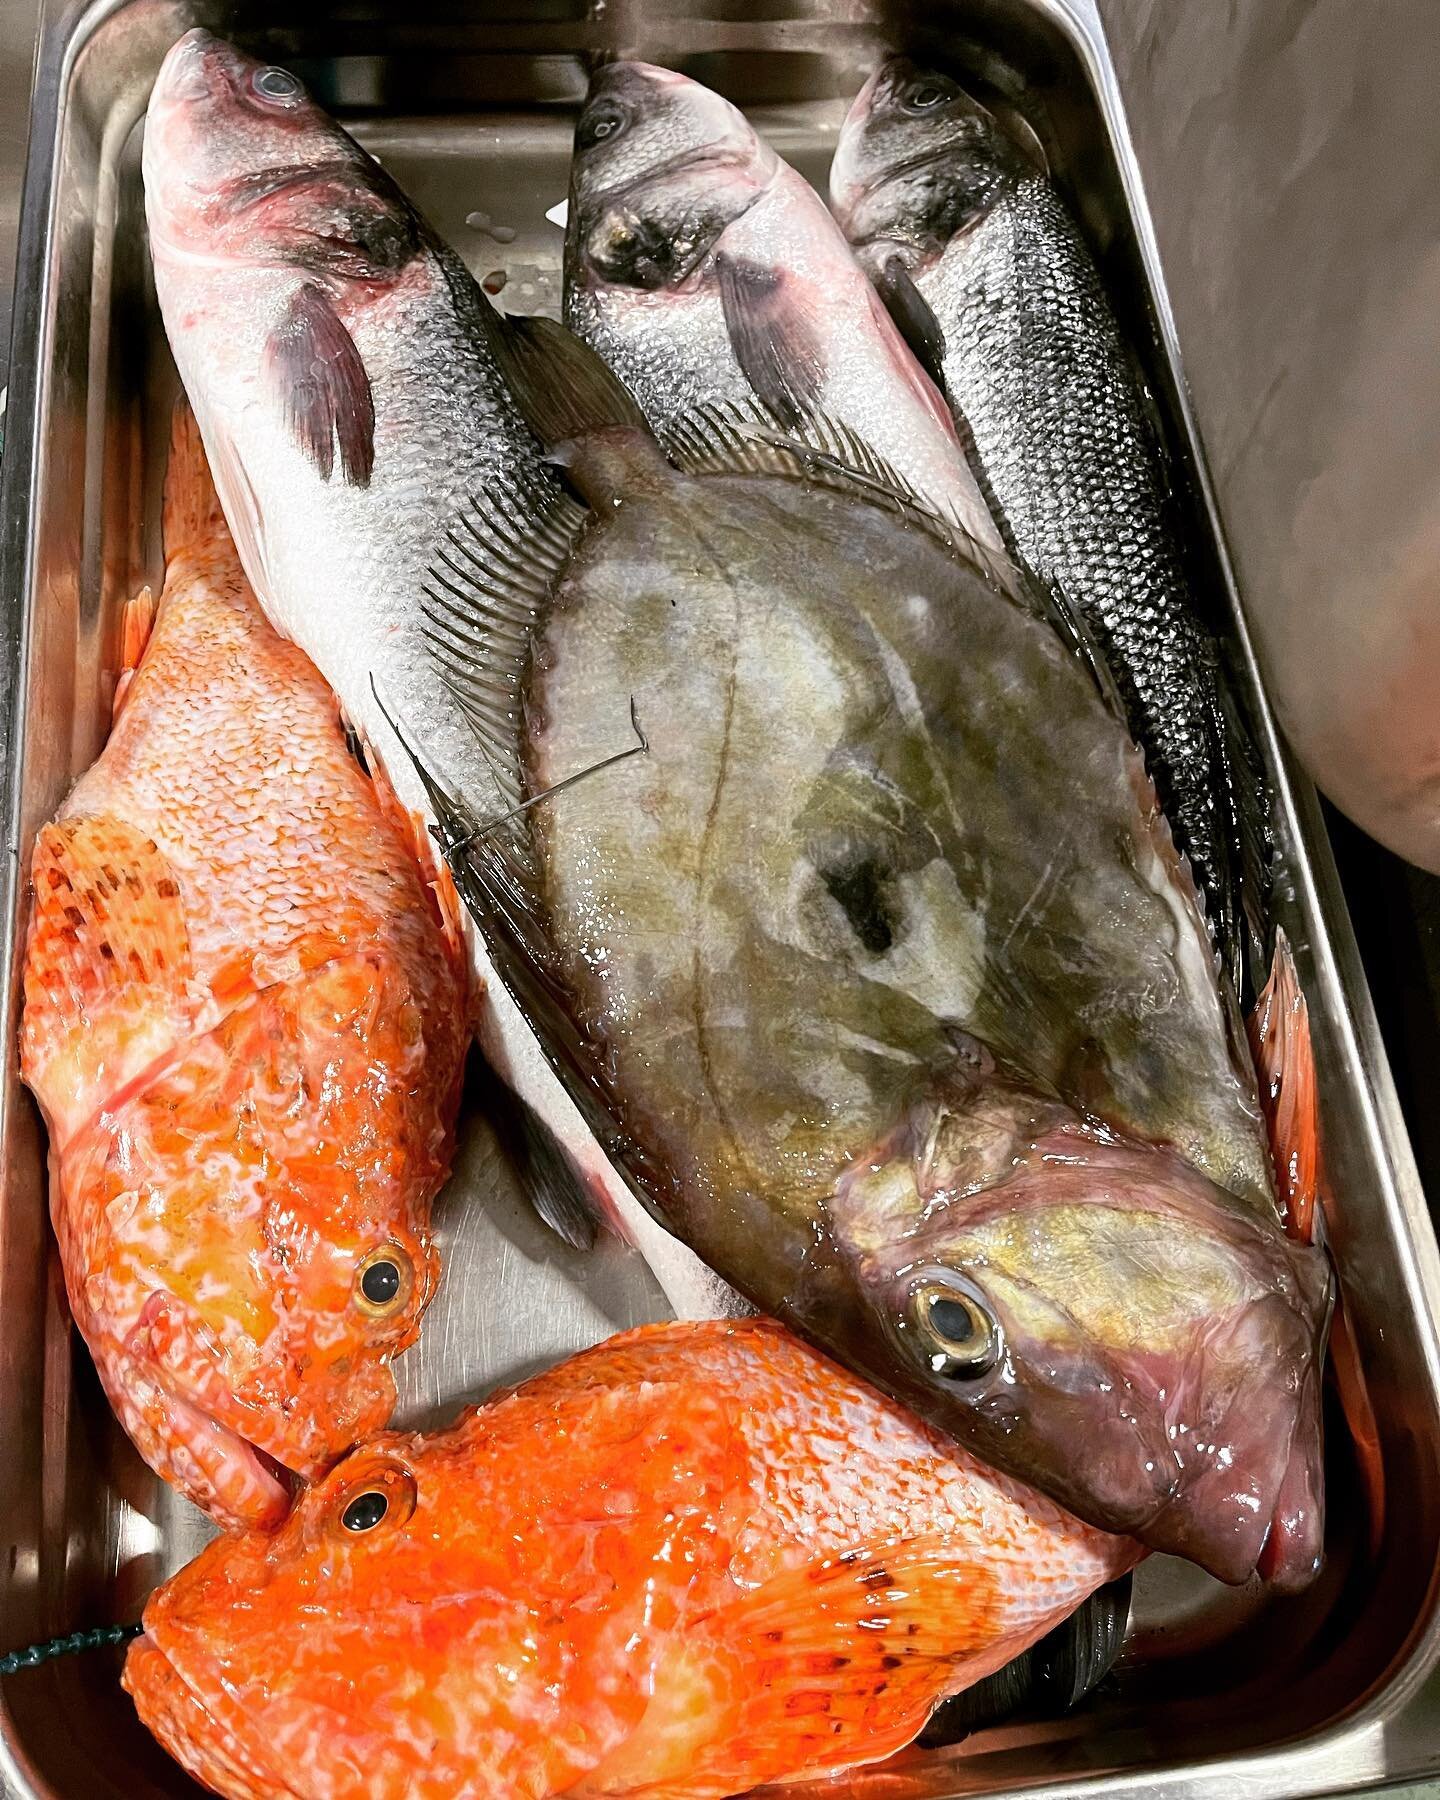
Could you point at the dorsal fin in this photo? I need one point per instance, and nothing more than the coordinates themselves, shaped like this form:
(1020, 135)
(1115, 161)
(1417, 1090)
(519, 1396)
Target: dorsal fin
(745, 438)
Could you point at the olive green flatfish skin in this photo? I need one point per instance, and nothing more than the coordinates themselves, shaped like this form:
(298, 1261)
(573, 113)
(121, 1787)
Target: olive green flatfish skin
(849, 841)
(873, 965)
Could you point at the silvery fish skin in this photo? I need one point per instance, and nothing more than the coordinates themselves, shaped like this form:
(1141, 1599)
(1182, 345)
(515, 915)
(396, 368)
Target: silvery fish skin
(882, 978)
(704, 269)
(336, 355)
(979, 258)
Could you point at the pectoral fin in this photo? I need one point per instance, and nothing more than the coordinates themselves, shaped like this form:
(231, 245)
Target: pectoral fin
(318, 377)
(772, 338)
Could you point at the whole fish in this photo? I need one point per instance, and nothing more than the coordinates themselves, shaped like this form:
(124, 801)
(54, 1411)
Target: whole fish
(841, 895)
(980, 260)
(337, 355)
(691, 1560)
(704, 269)
(244, 1023)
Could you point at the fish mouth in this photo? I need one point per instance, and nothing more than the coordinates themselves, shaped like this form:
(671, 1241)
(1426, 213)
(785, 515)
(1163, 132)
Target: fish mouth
(172, 1707)
(235, 1480)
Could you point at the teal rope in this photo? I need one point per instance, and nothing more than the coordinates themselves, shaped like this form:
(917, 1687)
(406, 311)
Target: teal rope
(101, 1638)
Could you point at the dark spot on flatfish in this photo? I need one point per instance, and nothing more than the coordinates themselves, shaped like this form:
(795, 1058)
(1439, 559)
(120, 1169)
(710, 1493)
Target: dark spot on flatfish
(862, 891)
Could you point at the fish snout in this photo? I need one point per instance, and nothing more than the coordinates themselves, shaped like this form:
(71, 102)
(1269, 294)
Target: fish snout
(339, 1407)
(200, 68)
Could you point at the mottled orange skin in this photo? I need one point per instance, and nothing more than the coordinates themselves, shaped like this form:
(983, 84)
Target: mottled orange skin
(694, 1559)
(245, 1025)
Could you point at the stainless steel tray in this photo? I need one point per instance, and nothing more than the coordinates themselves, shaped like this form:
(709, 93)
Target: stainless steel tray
(1220, 1691)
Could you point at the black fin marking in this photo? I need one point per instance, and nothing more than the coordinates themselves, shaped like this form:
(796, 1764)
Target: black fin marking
(552, 1183)
(914, 318)
(560, 385)
(496, 883)
(320, 379)
(772, 340)
(1049, 1678)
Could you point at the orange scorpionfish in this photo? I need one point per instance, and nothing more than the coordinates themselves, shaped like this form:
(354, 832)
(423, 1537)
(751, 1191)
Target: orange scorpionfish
(245, 1024)
(694, 1559)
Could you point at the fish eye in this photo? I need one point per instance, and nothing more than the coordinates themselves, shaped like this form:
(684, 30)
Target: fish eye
(365, 1511)
(606, 120)
(383, 1494)
(960, 1338)
(384, 1281)
(927, 92)
(277, 84)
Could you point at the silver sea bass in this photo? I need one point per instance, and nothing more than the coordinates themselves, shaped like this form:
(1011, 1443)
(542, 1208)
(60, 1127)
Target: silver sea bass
(705, 271)
(337, 357)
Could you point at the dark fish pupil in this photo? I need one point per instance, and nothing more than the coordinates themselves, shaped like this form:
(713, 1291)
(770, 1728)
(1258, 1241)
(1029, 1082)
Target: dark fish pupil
(365, 1512)
(380, 1283)
(955, 1322)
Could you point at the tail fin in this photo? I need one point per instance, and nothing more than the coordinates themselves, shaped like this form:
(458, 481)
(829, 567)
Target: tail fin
(1050, 1678)
(1280, 1042)
(192, 517)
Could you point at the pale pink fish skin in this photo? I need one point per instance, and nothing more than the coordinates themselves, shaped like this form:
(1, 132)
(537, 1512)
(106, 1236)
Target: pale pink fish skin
(669, 341)
(692, 1560)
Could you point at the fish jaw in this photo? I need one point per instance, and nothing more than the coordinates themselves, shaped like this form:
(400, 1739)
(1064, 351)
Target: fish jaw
(1156, 1345)
(197, 1739)
(213, 1465)
(650, 198)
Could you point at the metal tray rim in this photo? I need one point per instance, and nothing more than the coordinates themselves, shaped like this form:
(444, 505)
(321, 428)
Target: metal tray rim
(64, 32)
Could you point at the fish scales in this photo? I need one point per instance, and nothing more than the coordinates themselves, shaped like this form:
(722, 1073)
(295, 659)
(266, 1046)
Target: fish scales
(245, 1026)
(1036, 367)
(687, 1562)
(982, 264)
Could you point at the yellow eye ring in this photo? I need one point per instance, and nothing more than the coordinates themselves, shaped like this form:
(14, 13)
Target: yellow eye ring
(960, 1336)
(380, 1497)
(385, 1281)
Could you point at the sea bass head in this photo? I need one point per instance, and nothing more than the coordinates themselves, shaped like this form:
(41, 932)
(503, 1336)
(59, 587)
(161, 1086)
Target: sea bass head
(918, 160)
(241, 163)
(286, 261)
(662, 166)
(468, 1612)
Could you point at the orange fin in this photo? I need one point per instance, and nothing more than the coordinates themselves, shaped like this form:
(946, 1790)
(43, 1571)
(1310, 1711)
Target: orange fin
(827, 1666)
(192, 519)
(1279, 1031)
(107, 967)
(136, 623)
(434, 870)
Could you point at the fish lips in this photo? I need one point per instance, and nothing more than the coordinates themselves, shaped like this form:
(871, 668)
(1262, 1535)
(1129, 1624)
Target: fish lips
(196, 1736)
(240, 1457)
